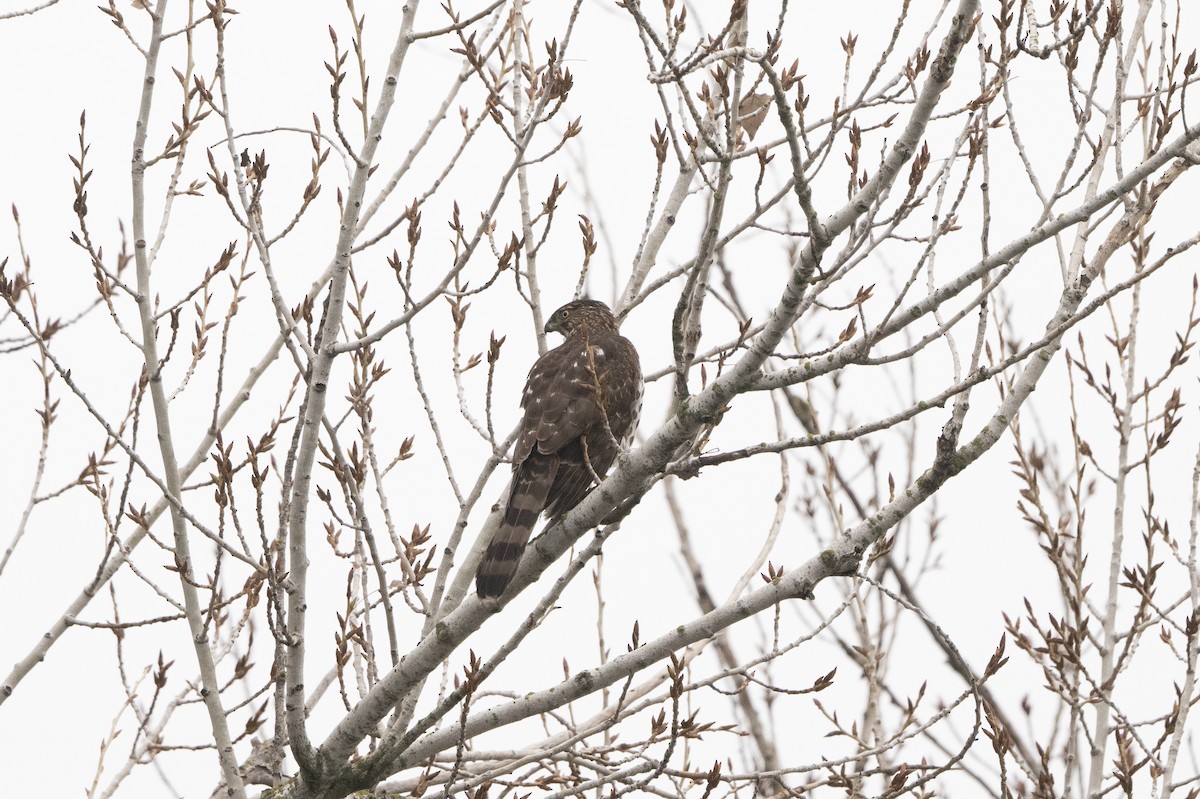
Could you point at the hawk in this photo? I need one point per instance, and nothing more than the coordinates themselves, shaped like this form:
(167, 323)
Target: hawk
(581, 402)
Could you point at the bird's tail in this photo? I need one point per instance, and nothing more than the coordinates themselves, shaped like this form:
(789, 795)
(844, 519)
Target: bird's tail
(531, 485)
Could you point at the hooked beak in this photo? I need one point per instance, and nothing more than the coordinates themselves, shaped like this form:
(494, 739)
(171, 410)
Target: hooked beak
(553, 327)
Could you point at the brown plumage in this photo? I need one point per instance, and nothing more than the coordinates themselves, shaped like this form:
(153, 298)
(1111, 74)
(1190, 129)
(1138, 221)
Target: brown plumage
(581, 404)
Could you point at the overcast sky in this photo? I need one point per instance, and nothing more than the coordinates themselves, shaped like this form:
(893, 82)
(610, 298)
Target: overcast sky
(70, 59)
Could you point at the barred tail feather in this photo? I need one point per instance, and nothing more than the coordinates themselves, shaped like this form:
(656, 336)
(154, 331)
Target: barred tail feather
(531, 484)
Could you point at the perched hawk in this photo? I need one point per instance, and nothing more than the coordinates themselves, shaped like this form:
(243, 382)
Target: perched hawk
(581, 405)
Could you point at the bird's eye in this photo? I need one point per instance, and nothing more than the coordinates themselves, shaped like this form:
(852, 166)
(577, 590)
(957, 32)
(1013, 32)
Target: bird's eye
(564, 314)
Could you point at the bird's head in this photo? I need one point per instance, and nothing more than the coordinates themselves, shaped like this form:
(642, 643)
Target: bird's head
(583, 316)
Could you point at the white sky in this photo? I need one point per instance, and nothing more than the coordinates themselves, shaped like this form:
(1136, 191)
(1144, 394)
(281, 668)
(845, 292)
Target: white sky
(69, 58)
